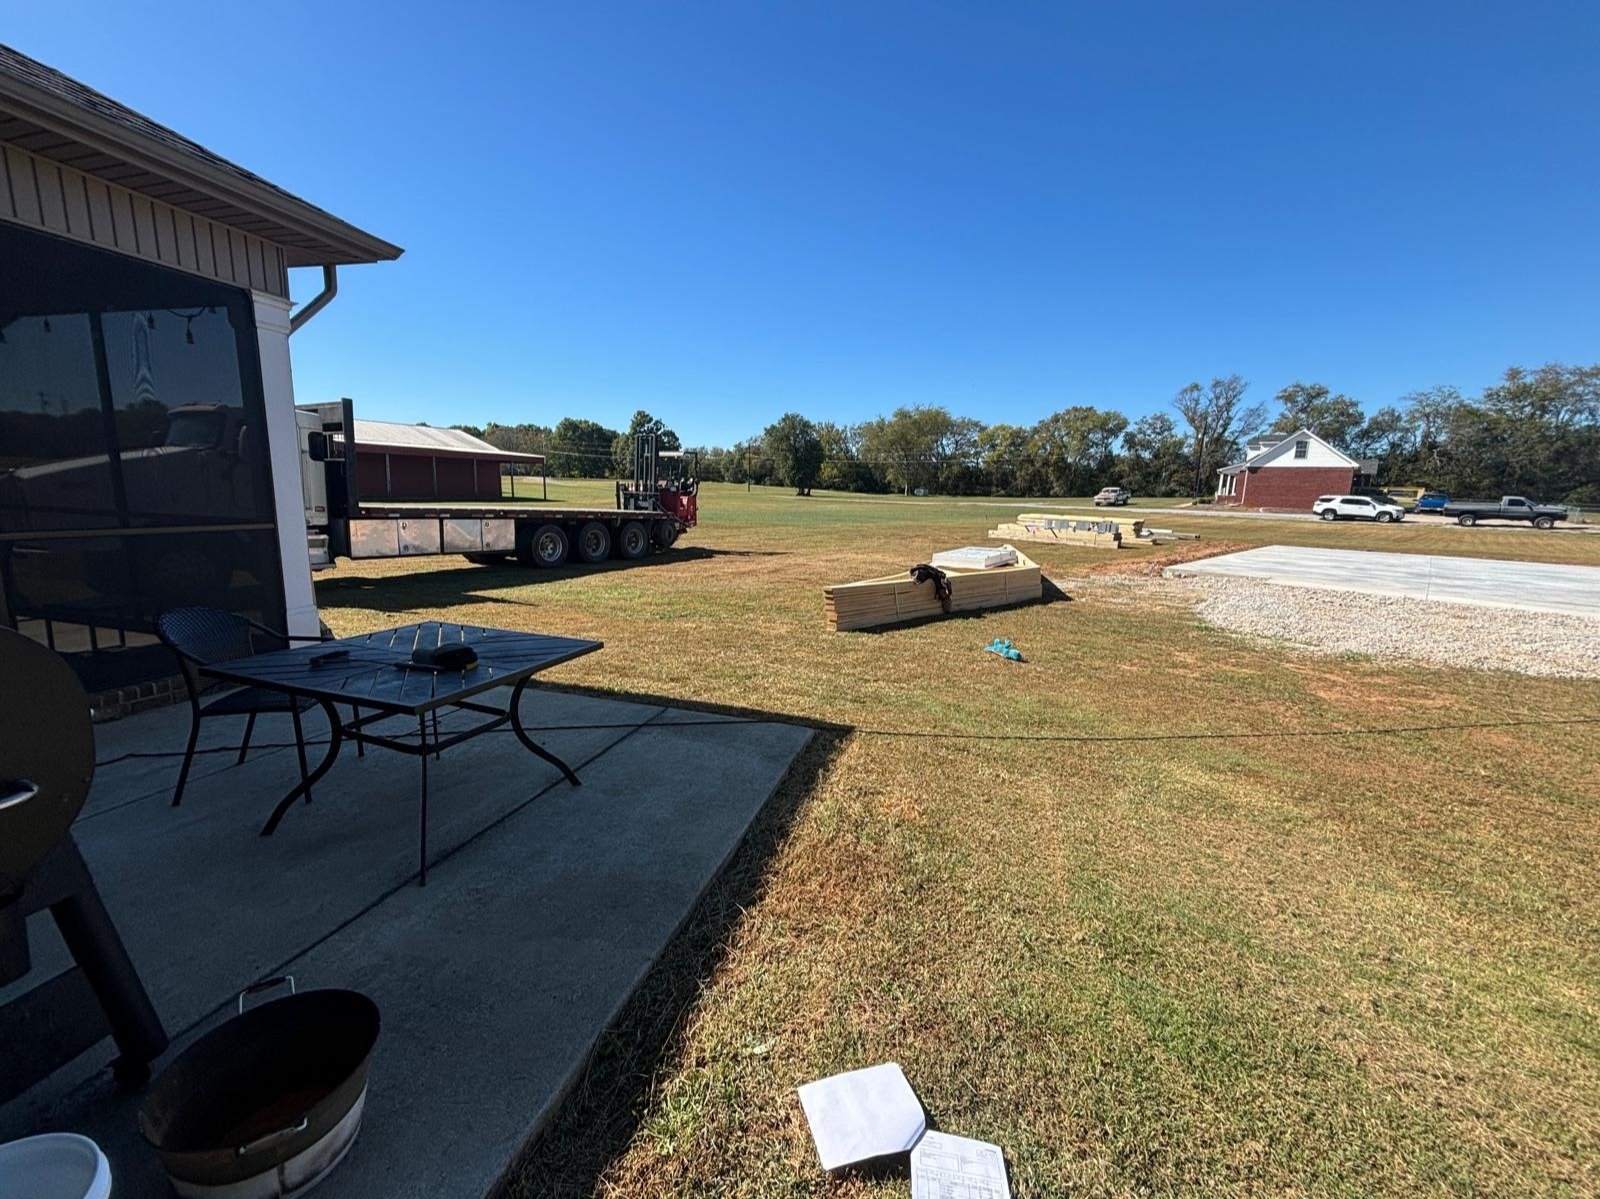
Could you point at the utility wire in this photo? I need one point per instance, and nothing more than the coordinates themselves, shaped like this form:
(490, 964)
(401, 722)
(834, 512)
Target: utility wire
(936, 735)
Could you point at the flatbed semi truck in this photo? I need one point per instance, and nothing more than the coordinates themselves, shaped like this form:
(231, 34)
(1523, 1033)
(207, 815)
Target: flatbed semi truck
(651, 511)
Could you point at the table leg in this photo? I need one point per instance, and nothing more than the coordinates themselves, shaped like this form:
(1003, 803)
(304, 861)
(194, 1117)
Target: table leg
(533, 746)
(422, 822)
(335, 740)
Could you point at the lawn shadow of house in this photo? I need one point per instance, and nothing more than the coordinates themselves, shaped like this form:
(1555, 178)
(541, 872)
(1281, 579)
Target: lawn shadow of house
(474, 583)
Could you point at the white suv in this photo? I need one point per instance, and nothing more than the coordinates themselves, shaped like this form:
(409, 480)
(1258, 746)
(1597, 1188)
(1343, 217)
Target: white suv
(1357, 507)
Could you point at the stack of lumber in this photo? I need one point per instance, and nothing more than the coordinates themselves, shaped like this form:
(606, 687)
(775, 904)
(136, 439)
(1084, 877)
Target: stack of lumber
(1144, 535)
(897, 598)
(1061, 530)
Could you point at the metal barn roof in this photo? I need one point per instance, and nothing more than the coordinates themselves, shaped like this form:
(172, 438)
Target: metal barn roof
(390, 435)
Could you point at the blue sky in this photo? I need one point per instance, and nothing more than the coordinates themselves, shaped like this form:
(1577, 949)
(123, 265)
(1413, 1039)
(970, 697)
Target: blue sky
(724, 211)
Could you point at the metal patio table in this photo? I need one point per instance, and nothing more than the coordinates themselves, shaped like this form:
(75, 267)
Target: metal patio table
(374, 673)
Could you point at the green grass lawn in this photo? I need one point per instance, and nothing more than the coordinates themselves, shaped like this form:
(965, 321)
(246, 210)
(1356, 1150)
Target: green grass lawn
(1125, 909)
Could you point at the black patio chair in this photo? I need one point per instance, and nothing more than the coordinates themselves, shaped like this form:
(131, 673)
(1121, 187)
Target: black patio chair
(204, 636)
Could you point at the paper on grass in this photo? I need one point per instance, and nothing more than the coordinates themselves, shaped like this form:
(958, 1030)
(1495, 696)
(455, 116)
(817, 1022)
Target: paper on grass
(947, 1167)
(861, 1115)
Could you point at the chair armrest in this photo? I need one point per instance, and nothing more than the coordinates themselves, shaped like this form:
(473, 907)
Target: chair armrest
(286, 638)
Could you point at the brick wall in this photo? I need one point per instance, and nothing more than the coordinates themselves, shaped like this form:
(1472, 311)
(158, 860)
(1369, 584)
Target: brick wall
(136, 697)
(1295, 487)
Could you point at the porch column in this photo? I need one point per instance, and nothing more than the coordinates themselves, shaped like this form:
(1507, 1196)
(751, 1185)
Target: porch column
(283, 442)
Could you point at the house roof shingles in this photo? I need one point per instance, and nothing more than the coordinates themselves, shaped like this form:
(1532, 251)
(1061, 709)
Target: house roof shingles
(54, 115)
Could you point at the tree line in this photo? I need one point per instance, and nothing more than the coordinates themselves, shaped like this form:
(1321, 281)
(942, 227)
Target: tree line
(1535, 432)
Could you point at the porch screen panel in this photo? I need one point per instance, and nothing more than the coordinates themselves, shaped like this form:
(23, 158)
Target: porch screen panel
(133, 454)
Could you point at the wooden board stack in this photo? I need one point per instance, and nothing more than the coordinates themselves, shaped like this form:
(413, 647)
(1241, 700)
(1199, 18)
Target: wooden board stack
(1061, 530)
(897, 598)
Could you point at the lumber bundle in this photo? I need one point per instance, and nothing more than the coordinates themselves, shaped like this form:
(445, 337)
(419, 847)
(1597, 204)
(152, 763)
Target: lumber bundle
(894, 599)
(1061, 530)
(1144, 535)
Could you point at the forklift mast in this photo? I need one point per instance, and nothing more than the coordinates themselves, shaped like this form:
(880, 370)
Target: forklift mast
(663, 481)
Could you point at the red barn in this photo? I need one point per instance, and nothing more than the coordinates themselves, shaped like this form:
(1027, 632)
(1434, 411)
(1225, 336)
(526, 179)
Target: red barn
(418, 462)
(1286, 471)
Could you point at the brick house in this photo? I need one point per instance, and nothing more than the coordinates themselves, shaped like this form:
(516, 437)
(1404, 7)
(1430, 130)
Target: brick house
(1286, 471)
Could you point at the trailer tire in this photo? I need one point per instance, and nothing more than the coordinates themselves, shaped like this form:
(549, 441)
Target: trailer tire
(1467, 519)
(486, 559)
(593, 543)
(664, 533)
(1544, 522)
(633, 541)
(546, 546)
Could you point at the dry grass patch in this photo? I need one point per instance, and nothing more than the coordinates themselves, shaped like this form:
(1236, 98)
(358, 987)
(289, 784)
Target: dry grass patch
(1162, 954)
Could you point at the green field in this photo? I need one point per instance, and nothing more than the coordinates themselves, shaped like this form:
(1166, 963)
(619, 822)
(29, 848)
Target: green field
(1127, 909)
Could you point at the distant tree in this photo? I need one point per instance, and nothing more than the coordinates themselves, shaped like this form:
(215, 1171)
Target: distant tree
(747, 462)
(842, 468)
(796, 451)
(711, 464)
(472, 430)
(1217, 417)
(1389, 436)
(1006, 461)
(1074, 447)
(1337, 419)
(580, 448)
(912, 445)
(523, 439)
(1154, 460)
(622, 443)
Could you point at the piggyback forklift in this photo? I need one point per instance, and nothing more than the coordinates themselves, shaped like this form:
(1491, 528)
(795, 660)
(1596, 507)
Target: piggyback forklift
(652, 510)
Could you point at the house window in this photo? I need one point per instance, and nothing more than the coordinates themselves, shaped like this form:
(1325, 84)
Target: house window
(1302, 448)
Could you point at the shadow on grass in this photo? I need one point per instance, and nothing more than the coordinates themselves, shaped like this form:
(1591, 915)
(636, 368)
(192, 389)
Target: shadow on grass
(408, 592)
(601, 1114)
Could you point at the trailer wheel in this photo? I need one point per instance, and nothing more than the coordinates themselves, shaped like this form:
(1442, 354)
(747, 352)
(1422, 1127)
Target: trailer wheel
(633, 540)
(1466, 518)
(593, 543)
(547, 546)
(1544, 522)
(664, 533)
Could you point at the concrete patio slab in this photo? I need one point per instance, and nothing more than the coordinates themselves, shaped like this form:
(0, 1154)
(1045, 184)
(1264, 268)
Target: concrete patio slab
(545, 907)
(1491, 582)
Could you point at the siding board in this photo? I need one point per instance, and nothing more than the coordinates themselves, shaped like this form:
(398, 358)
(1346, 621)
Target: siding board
(24, 191)
(44, 194)
(77, 206)
(122, 220)
(8, 207)
(205, 246)
(144, 229)
(52, 202)
(101, 222)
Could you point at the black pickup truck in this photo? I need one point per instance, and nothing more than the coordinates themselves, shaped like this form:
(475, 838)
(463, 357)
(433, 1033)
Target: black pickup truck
(1510, 507)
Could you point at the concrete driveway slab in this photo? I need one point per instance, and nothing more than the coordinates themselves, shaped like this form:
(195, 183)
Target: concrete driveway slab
(1492, 582)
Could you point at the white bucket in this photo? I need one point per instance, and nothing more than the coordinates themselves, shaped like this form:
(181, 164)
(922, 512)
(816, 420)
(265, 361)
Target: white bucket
(57, 1165)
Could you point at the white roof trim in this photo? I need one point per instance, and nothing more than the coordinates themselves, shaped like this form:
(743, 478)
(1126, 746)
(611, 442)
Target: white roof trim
(1272, 451)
